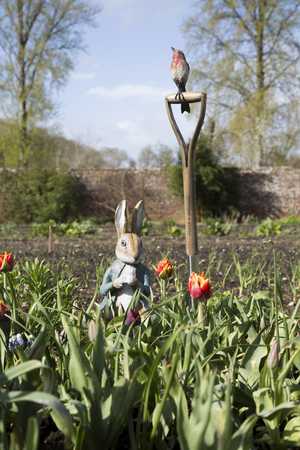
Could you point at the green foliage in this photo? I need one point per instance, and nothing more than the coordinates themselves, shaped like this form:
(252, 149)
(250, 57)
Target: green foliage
(171, 228)
(9, 150)
(268, 228)
(216, 187)
(175, 231)
(56, 151)
(289, 220)
(170, 382)
(42, 229)
(44, 44)
(10, 229)
(81, 228)
(217, 227)
(72, 229)
(42, 195)
(146, 227)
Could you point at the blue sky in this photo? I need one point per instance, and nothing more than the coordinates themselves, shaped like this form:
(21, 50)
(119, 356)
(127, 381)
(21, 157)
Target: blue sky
(115, 95)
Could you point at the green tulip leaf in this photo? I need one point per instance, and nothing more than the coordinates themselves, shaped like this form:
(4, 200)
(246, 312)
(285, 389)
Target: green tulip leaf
(291, 433)
(59, 413)
(32, 434)
(19, 370)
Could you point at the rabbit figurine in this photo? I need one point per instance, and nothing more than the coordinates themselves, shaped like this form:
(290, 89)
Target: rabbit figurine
(127, 277)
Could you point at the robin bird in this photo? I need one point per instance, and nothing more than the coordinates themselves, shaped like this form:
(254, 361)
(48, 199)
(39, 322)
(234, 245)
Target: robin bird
(180, 70)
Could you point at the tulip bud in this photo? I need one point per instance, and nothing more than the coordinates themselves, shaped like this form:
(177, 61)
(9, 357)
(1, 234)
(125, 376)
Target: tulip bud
(164, 269)
(133, 317)
(273, 357)
(4, 308)
(6, 262)
(92, 330)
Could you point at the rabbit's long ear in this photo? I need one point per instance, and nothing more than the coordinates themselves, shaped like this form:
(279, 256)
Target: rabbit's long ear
(121, 217)
(138, 217)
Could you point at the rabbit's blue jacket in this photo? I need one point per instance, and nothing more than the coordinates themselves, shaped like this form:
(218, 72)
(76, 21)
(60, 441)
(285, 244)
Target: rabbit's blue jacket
(113, 272)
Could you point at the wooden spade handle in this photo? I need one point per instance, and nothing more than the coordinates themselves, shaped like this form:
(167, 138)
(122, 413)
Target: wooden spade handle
(189, 97)
(187, 156)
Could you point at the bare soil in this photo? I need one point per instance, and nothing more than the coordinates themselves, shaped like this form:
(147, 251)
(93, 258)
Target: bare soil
(81, 256)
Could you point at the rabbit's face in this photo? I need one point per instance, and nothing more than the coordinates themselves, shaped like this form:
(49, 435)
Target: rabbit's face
(129, 248)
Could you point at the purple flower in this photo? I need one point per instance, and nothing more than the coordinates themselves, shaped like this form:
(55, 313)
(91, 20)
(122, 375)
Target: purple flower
(18, 340)
(133, 317)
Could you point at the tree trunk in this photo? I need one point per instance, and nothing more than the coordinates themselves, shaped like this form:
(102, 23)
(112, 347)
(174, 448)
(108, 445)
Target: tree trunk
(23, 107)
(23, 134)
(260, 77)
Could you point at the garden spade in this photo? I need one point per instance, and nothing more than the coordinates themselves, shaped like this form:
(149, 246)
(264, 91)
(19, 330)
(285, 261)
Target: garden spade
(187, 156)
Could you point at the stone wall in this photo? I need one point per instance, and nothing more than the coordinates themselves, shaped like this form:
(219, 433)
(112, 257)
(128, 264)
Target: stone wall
(266, 192)
(271, 192)
(107, 187)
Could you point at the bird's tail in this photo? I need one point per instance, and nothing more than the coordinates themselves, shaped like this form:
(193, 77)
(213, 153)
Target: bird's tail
(185, 107)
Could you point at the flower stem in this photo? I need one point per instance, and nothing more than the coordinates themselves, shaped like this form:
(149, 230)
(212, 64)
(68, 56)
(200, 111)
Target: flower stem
(201, 316)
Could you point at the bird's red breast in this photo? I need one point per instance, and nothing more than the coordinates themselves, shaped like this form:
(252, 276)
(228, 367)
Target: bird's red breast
(179, 69)
(179, 63)
(178, 58)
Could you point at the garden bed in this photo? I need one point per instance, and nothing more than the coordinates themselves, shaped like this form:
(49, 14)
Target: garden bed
(228, 379)
(81, 256)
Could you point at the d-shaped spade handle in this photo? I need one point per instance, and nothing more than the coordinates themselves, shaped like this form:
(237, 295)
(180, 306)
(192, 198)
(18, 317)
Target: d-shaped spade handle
(187, 97)
(187, 156)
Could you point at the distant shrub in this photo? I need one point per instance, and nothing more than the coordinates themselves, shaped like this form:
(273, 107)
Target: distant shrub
(42, 195)
(290, 220)
(82, 228)
(175, 231)
(217, 227)
(216, 187)
(146, 227)
(171, 228)
(268, 228)
(42, 229)
(72, 229)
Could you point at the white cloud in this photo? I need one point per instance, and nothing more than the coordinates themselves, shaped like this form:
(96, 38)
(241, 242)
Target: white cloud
(83, 76)
(133, 135)
(126, 125)
(128, 11)
(126, 91)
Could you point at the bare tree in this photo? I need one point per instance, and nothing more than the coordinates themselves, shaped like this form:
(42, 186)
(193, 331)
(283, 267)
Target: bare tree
(156, 157)
(147, 158)
(38, 39)
(116, 158)
(246, 54)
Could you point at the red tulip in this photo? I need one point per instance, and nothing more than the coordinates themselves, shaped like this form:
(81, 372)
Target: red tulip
(164, 269)
(3, 308)
(6, 262)
(199, 286)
